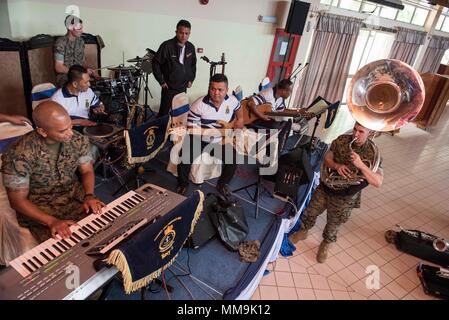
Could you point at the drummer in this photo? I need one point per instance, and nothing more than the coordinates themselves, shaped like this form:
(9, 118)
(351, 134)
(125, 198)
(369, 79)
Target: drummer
(78, 98)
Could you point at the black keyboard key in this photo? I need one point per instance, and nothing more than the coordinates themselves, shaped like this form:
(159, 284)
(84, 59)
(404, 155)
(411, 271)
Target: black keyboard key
(104, 216)
(84, 232)
(91, 229)
(64, 244)
(101, 222)
(40, 263)
(110, 216)
(27, 267)
(76, 236)
(97, 224)
(124, 203)
(45, 256)
(114, 214)
(57, 248)
(50, 253)
(32, 264)
(60, 245)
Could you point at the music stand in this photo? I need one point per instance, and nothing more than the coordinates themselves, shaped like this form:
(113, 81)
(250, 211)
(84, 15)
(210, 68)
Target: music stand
(259, 184)
(318, 107)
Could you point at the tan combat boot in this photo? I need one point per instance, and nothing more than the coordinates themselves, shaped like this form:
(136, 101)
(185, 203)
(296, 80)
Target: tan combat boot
(301, 234)
(322, 251)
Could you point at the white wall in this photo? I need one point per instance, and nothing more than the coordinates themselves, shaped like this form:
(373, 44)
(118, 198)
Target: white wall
(129, 27)
(5, 28)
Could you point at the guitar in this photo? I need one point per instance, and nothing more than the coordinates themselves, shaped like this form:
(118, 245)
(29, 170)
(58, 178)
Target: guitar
(266, 109)
(226, 131)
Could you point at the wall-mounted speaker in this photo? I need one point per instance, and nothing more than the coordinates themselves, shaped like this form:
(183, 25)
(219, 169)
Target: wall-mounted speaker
(297, 17)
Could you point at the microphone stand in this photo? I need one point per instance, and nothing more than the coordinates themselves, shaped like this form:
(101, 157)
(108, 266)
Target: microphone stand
(295, 78)
(213, 65)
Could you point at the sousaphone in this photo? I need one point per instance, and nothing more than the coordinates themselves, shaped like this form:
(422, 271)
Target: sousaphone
(384, 95)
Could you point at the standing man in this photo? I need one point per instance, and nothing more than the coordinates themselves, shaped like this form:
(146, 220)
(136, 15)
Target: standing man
(174, 66)
(69, 50)
(39, 175)
(210, 112)
(78, 99)
(345, 160)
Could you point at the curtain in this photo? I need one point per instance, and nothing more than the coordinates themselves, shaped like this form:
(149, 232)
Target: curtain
(406, 44)
(434, 53)
(330, 58)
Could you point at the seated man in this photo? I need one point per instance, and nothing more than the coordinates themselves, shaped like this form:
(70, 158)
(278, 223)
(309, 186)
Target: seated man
(276, 97)
(39, 175)
(206, 112)
(78, 98)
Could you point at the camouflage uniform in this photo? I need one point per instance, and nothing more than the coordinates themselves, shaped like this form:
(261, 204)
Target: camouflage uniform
(53, 185)
(338, 207)
(70, 52)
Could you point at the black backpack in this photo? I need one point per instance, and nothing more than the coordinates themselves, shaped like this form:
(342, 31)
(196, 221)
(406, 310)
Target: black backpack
(229, 219)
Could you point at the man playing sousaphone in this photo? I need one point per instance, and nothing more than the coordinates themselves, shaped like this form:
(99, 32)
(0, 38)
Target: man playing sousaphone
(345, 158)
(382, 96)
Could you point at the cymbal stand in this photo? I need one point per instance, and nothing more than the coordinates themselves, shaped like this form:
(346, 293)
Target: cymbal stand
(147, 91)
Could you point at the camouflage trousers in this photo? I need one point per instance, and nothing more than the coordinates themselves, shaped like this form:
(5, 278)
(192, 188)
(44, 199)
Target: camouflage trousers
(62, 206)
(338, 212)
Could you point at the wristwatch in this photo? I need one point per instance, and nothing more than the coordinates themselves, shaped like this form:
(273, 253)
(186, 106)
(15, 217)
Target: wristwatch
(89, 195)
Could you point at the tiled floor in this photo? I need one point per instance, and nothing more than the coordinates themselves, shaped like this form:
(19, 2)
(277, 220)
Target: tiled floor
(414, 194)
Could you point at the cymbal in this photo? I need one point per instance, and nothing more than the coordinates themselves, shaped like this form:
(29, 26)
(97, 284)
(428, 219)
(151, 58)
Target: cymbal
(122, 68)
(137, 59)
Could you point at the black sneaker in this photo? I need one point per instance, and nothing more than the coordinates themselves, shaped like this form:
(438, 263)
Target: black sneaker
(182, 190)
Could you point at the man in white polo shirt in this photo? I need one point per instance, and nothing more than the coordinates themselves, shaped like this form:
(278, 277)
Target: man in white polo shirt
(78, 98)
(206, 112)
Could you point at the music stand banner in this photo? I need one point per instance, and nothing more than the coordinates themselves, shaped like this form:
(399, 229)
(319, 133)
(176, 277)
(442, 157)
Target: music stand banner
(145, 141)
(143, 257)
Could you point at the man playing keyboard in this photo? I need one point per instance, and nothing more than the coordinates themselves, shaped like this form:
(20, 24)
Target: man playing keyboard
(39, 175)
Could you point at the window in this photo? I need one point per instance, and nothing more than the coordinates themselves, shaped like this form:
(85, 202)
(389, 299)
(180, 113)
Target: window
(350, 5)
(439, 22)
(389, 13)
(420, 16)
(406, 15)
(371, 45)
(414, 12)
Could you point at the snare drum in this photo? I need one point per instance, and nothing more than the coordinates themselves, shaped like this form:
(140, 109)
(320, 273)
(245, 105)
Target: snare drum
(103, 134)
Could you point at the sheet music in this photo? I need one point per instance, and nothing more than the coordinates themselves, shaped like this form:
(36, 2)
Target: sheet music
(318, 107)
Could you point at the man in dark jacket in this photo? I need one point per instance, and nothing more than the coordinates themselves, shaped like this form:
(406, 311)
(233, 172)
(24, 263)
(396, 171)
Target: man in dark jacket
(174, 66)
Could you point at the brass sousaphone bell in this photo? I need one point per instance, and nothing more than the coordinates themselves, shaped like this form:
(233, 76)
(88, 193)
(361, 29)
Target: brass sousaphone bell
(384, 95)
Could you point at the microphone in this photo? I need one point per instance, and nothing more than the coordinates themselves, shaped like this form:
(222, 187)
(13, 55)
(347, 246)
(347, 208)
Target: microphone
(299, 71)
(293, 72)
(205, 59)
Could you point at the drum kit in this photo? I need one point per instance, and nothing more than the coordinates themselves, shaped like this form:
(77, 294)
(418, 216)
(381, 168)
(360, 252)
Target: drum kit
(120, 94)
(124, 87)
